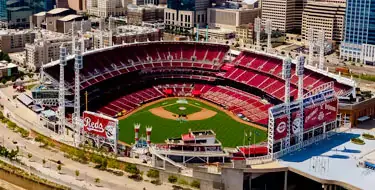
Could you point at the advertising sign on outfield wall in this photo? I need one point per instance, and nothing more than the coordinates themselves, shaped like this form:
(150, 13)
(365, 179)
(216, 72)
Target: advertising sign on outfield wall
(281, 124)
(316, 115)
(99, 125)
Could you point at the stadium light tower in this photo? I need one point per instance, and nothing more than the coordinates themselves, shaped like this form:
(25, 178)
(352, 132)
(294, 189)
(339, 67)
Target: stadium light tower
(197, 34)
(286, 76)
(61, 108)
(78, 64)
(310, 37)
(257, 31)
(269, 33)
(299, 121)
(73, 36)
(321, 49)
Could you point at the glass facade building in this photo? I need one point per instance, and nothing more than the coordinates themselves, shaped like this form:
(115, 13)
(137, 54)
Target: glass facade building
(359, 28)
(183, 5)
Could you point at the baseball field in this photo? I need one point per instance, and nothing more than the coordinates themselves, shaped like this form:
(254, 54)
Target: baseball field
(172, 117)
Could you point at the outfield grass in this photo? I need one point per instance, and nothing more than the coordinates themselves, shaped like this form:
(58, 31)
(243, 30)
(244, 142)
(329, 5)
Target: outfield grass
(175, 108)
(229, 131)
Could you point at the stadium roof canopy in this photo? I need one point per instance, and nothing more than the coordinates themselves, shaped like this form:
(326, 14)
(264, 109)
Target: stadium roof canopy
(337, 159)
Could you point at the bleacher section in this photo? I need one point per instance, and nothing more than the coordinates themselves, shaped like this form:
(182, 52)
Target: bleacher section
(131, 101)
(271, 69)
(239, 102)
(110, 63)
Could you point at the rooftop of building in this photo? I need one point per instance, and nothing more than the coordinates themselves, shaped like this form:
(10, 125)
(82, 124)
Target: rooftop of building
(129, 30)
(337, 159)
(4, 64)
(43, 13)
(23, 8)
(70, 17)
(14, 32)
(57, 10)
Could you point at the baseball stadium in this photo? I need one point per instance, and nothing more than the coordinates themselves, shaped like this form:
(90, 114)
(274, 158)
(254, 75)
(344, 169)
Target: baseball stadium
(206, 103)
(180, 86)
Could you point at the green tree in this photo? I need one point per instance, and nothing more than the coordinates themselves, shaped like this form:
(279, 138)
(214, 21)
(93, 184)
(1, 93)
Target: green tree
(172, 179)
(97, 180)
(29, 155)
(3, 80)
(59, 167)
(4, 56)
(195, 184)
(13, 153)
(77, 173)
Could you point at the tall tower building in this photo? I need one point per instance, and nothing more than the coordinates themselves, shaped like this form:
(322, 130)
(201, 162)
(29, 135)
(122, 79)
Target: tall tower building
(359, 29)
(286, 15)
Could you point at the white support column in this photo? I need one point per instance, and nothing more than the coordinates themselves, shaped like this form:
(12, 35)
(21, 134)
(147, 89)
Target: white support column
(321, 49)
(257, 31)
(78, 64)
(300, 73)
(269, 33)
(311, 46)
(61, 108)
(73, 37)
(286, 76)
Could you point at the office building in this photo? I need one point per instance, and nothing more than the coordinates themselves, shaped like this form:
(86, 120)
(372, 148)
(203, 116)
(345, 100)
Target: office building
(286, 15)
(138, 14)
(13, 40)
(106, 8)
(127, 34)
(245, 33)
(48, 20)
(327, 16)
(78, 5)
(46, 48)
(230, 18)
(183, 15)
(359, 30)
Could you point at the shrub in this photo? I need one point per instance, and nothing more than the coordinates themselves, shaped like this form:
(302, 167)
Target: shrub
(132, 169)
(136, 177)
(368, 136)
(156, 182)
(153, 173)
(182, 182)
(195, 184)
(357, 141)
(172, 179)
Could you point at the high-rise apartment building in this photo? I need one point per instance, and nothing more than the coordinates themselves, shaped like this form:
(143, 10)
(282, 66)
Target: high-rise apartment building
(13, 40)
(359, 30)
(106, 8)
(286, 15)
(326, 16)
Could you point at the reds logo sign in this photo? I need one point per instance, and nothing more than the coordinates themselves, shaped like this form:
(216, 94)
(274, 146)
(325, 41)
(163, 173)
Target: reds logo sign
(99, 125)
(92, 125)
(281, 127)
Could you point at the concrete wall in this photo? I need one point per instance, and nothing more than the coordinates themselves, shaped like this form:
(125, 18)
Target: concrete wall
(232, 178)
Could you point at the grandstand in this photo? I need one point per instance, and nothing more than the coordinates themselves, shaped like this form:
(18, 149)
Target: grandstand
(144, 72)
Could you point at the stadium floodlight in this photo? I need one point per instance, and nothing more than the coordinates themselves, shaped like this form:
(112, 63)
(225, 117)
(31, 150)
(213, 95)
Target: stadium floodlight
(61, 112)
(257, 31)
(287, 64)
(310, 38)
(269, 33)
(321, 49)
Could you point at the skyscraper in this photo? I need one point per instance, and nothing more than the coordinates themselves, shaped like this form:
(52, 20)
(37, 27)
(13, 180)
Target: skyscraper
(3, 11)
(286, 15)
(359, 28)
